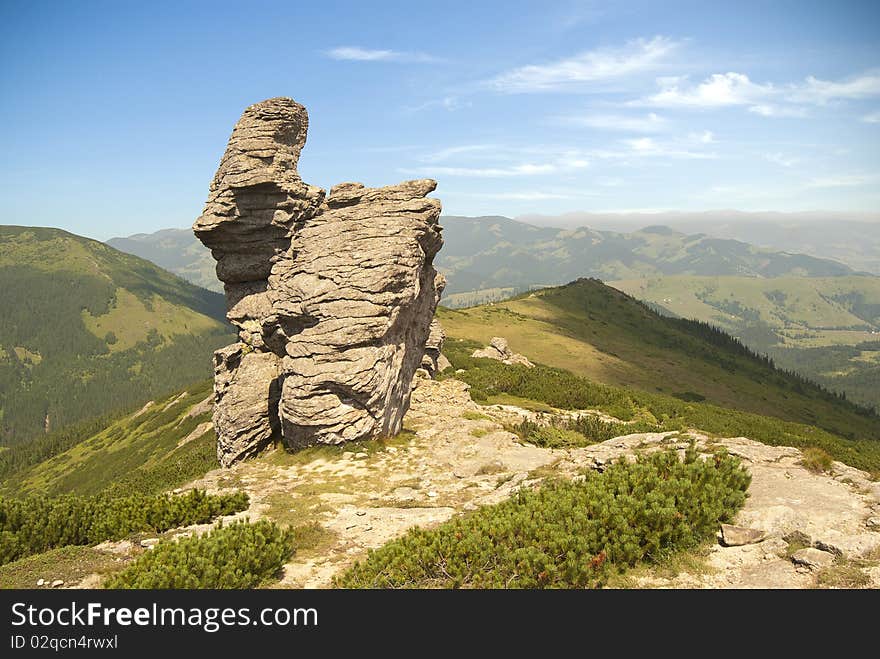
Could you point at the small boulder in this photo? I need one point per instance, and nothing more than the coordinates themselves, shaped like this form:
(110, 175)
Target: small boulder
(812, 558)
(41, 582)
(499, 350)
(149, 543)
(736, 536)
(57, 583)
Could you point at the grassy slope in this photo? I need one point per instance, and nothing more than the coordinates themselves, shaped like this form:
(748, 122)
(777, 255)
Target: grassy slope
(138, 451)
(595, 331)
(87, 329)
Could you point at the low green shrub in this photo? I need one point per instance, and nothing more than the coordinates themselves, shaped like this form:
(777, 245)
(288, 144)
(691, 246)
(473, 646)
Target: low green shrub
(37, 524)
(816, 460)
(567, 534)
(585, 429)
(240, 555)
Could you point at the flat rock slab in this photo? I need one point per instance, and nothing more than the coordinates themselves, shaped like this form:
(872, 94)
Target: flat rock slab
(735, 536)
(813, 558)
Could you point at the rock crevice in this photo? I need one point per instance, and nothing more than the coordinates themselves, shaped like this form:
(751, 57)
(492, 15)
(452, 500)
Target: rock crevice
(332, 295)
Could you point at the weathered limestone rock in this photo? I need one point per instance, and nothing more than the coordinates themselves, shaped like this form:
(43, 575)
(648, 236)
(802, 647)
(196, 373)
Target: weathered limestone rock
(499, 350)
(433, 361)
(246, 393)
(332, 297)
(353, 300)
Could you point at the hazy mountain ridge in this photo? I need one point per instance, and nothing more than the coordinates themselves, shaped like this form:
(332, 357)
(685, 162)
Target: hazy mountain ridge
(498, 252)
(849, 237)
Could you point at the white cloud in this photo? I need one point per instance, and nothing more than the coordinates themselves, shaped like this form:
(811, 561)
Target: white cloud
(844, 181)
(649, 147)
(718, 90)
(589, 66)
(706, 137)
(650, 123)
(449, 103)
(525, 169)
(781, 160)
(535, 195)
(822, 91)
(642, 144)
(873, 118)
(357, 54)
(496, 161)
(768, 110)
(768, 100)
(464, 149)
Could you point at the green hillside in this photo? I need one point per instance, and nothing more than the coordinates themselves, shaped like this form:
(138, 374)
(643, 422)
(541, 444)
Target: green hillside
(594, 346)
(160, 446)
(87, 329)
(602, 334)
(825, 328)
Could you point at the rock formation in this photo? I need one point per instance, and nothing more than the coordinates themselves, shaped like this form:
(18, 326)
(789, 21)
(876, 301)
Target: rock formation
(333, 297)
(433, 361)
(499, 350)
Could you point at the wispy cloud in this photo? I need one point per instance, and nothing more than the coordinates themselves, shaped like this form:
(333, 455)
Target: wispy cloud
(705, 137)
(844, 181)
(823, 91)
(449, 103)
(769, 110)
(525, 169)
(589, 66)
(650, 123)
(463, 149)
(534, 195)
(357, 54)
(873, 118)
(768, 100)
(499, 161)
(780, 159)
(651, 148)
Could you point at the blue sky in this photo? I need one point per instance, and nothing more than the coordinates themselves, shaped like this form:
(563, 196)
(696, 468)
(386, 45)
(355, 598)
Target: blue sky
(114, 115)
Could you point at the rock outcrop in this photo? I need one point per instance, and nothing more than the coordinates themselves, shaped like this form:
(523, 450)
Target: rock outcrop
(499, 350)
(333, 295)
(434, 361)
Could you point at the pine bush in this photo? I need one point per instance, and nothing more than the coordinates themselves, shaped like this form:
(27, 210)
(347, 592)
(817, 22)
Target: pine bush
(567, 534)
(240, 555)
(38, 524)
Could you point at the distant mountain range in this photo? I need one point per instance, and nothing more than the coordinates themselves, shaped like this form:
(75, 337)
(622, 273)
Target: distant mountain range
(849, 237)
(483, 253)
(176, 250)
(87, 330)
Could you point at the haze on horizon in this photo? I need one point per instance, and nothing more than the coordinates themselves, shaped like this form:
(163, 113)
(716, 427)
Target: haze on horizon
(116, 116)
